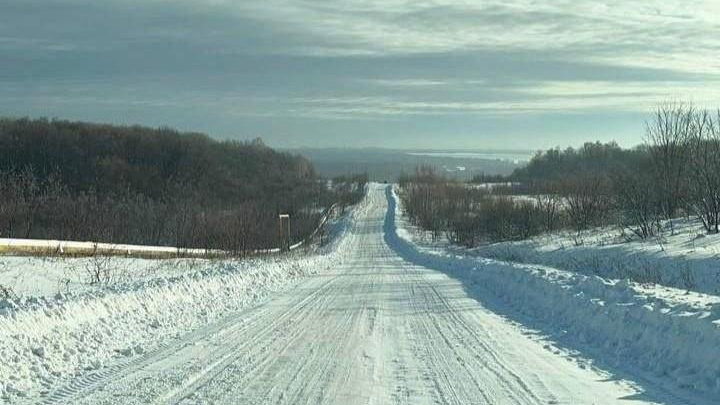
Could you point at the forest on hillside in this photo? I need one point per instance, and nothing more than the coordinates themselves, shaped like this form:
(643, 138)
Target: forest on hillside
(131, 184)
(676, 172)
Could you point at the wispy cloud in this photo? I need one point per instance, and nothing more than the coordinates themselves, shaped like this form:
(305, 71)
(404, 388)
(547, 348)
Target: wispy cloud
(300, 68)
(655, 33)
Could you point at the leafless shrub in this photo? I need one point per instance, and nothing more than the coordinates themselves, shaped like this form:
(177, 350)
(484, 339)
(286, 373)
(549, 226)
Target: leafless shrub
(589, 200)
(639, 203)
(550, 205)
(99, 269)
(467, 216)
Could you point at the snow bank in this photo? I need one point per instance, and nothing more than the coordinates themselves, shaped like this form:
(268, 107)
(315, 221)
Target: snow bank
(623, 322)
(45, 339)
(689, 259)
(51, 337)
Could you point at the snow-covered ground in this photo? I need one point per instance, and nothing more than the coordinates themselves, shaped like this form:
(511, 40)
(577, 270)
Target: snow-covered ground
(689, 259)
(56, 324)
(664, 333)
(379, 317)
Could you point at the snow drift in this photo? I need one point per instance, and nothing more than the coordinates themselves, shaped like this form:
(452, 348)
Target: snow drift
(687, 259)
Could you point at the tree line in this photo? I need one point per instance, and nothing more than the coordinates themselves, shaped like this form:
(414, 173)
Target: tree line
(675, 172)
(131, 184)
(465, 213)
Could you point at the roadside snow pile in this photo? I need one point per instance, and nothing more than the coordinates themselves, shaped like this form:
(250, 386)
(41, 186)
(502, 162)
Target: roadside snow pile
(35, 276)
(689, 259)
(52, 337)
(45, 339)
(663, 331)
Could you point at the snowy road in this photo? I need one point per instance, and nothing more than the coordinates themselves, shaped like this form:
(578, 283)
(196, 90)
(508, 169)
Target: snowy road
(375, 330)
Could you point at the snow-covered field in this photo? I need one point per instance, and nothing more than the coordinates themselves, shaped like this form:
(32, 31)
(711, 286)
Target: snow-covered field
(379, 316)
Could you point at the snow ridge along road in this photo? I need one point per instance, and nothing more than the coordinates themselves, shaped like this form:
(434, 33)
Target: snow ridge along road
(375, 329)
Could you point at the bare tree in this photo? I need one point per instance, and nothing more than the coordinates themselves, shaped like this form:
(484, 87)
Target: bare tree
(99, 269)
(704, 169)
(639, 203)
(588, 199)
(669, 135)
(550, 203)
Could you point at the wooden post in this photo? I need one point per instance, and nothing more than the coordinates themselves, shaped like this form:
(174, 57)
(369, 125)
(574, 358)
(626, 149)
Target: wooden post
(284, 232)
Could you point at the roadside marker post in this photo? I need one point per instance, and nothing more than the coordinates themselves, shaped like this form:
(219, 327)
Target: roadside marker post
(284, 231)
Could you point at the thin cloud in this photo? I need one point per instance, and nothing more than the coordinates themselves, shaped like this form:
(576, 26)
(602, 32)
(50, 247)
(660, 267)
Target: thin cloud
(644, 34)
(307, 69)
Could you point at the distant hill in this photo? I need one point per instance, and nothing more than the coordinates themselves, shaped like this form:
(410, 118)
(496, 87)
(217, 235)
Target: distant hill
(118, 159)
(389, 164)
(591, 157)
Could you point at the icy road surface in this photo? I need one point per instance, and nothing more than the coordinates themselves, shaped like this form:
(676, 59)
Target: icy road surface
(376, 330)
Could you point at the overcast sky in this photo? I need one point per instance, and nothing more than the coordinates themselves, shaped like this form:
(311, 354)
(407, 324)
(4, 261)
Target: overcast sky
(391, 73)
